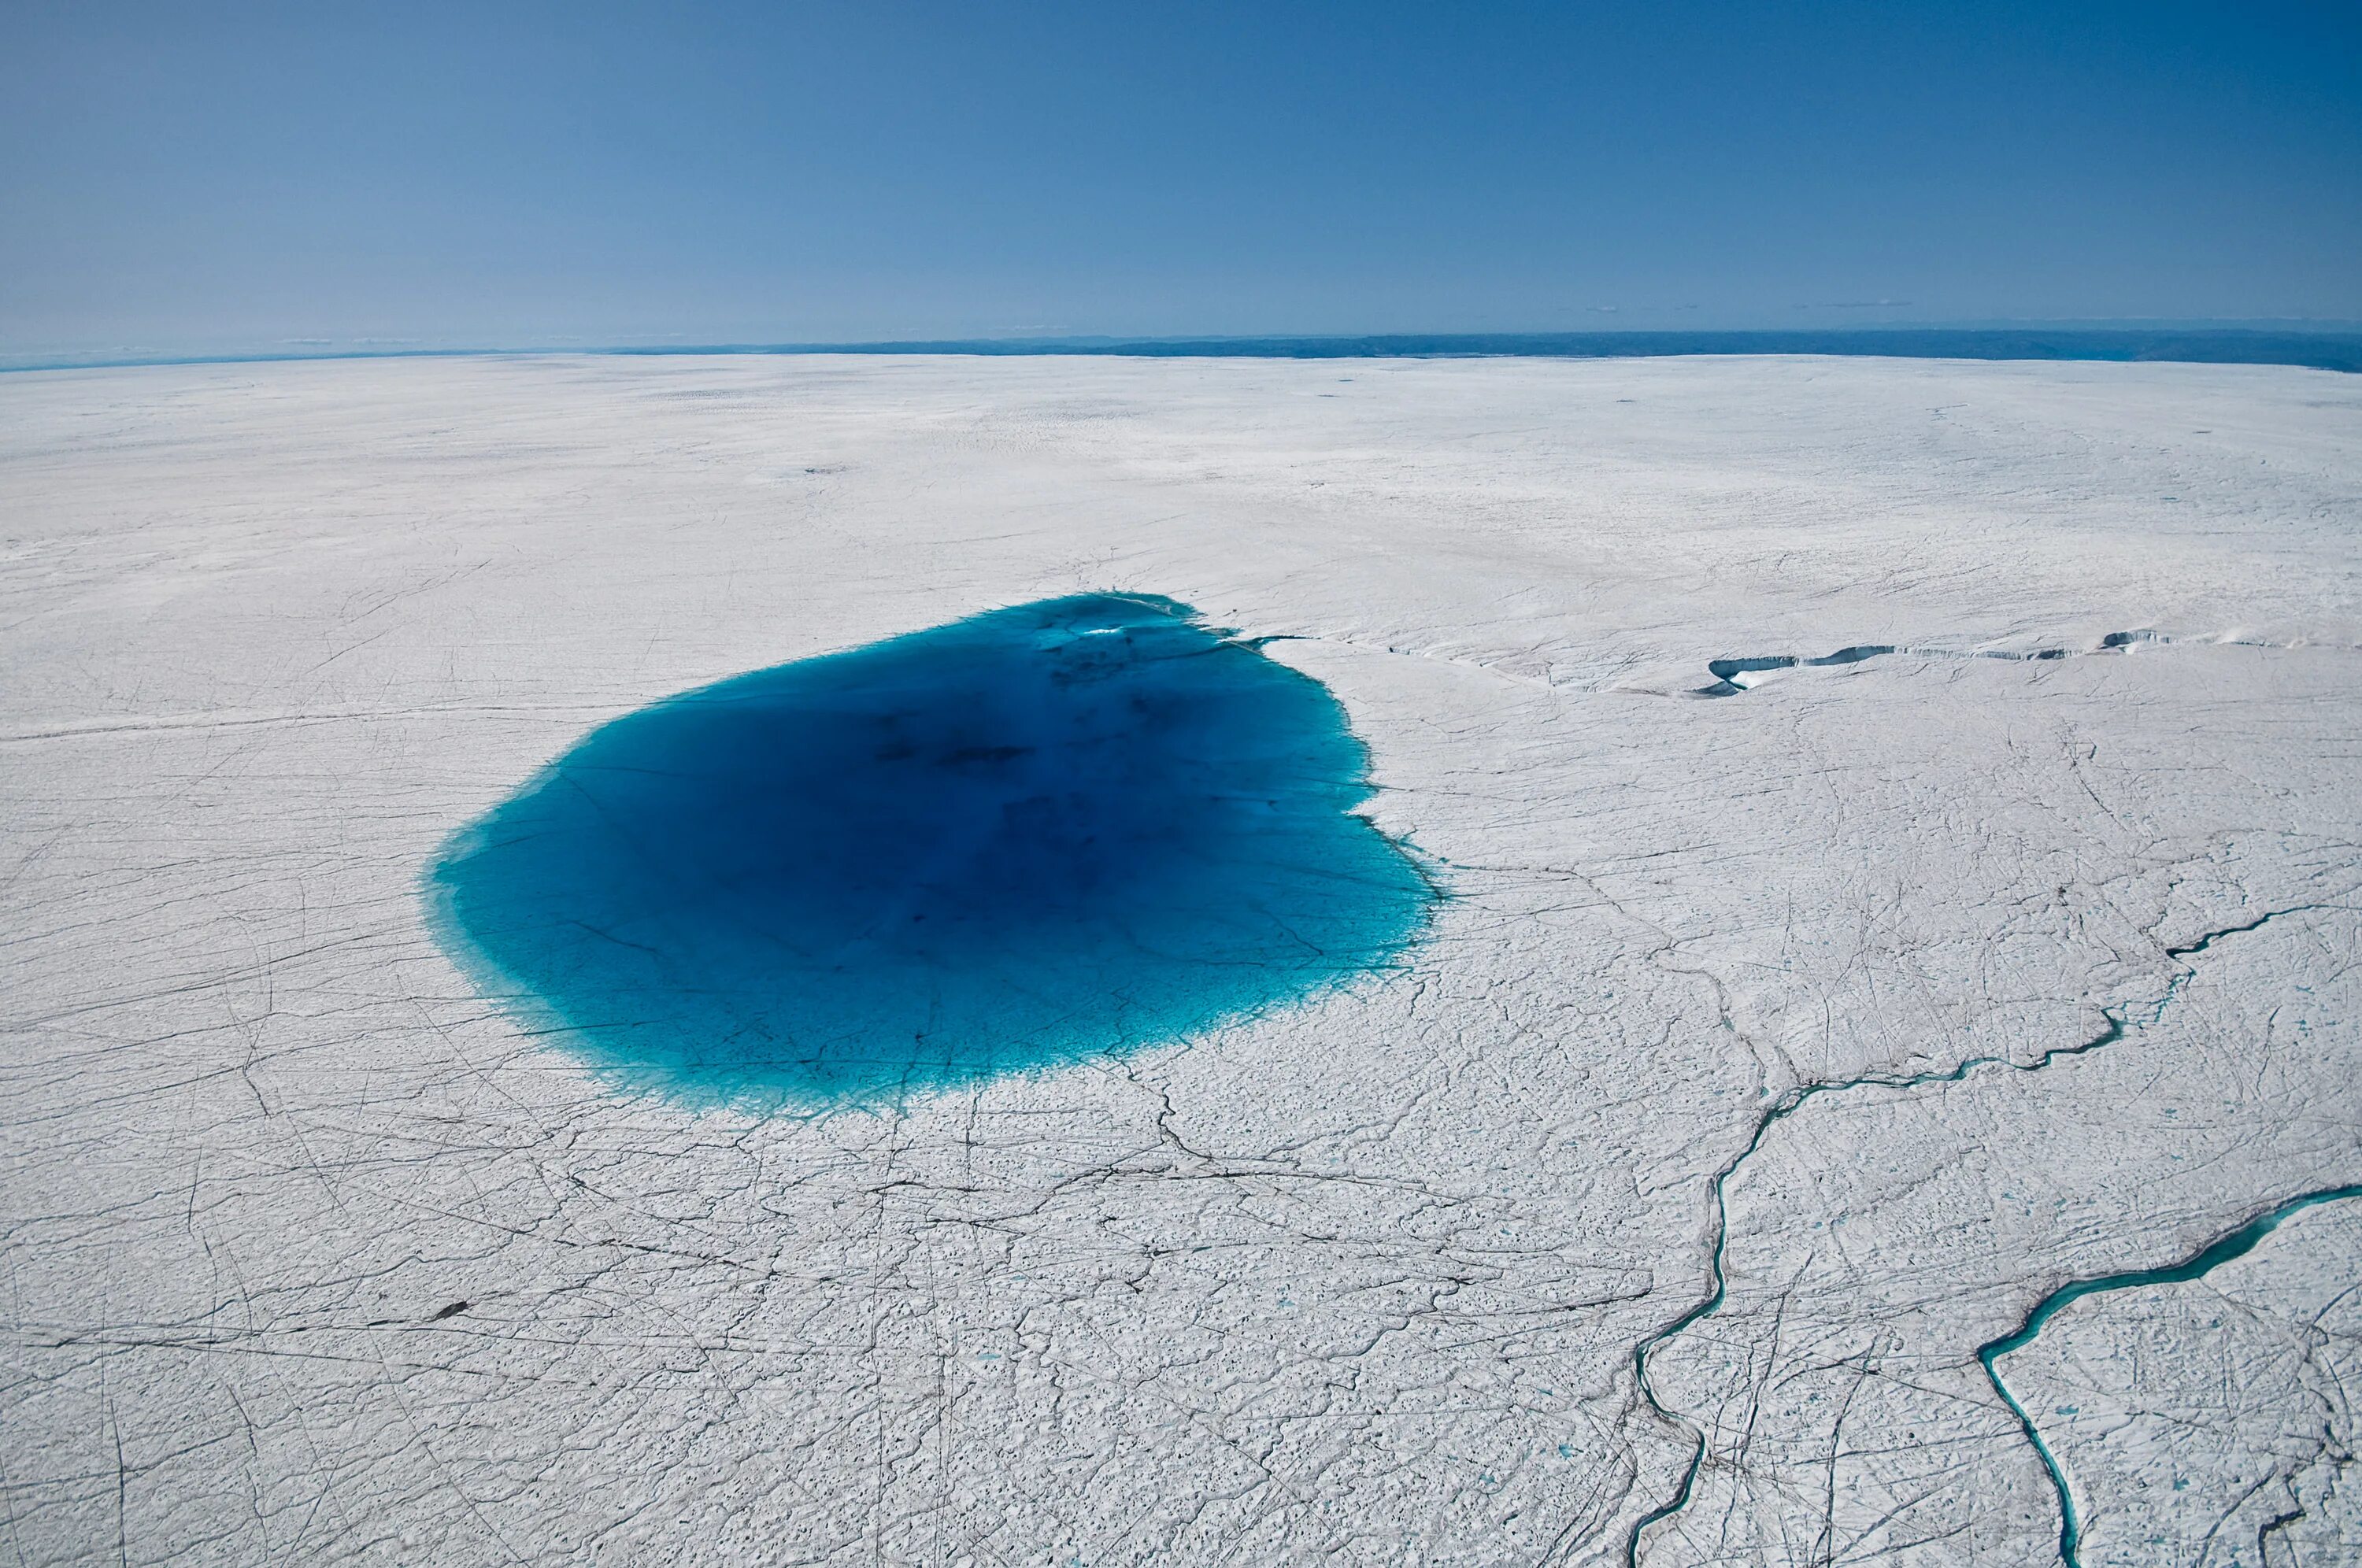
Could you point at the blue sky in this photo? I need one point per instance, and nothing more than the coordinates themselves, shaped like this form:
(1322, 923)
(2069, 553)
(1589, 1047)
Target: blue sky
(187, 178)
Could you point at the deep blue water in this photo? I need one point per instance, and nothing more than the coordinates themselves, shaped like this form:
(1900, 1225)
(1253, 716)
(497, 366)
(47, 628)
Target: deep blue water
(2337, 349)
(2319, 351)
(1011, 843)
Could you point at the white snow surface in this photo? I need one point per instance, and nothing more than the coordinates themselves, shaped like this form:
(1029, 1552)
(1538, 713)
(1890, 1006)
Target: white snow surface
(312, 1256)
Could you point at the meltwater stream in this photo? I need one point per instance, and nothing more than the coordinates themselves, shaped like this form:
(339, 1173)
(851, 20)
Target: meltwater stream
(2231, 1245)
(1011, 843)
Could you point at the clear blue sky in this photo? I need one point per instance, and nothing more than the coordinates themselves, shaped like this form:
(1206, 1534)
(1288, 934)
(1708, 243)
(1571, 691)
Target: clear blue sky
(187, 177)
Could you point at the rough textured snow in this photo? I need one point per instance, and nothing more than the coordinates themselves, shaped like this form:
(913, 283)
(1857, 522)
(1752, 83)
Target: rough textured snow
(1775, 1051)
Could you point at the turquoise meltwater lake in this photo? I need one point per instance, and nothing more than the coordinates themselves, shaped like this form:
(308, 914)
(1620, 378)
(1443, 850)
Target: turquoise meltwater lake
(1041, 835)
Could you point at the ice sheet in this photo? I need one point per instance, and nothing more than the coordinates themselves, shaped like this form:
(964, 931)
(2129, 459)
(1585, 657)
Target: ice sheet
(1785, 1046)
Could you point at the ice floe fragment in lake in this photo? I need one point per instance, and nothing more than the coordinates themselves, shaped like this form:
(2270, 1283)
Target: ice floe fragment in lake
(1012, 842)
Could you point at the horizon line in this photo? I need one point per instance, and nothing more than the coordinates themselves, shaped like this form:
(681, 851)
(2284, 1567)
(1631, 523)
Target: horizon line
(2325, 345)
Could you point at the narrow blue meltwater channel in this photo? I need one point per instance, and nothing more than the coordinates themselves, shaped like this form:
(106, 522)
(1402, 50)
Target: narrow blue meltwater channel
(1008, 844)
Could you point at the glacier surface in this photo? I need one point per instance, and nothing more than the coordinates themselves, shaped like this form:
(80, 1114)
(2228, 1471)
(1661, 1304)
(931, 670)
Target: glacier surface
(1898, 823)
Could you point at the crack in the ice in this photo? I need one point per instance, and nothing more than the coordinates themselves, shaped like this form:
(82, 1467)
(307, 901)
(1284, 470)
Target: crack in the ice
(1731, 676)
(1795, 1099)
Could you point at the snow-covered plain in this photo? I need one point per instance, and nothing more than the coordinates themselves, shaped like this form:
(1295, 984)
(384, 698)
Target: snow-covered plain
(1775, 1050)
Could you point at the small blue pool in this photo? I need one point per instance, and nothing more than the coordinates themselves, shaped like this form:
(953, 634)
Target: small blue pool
(1010, 843)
